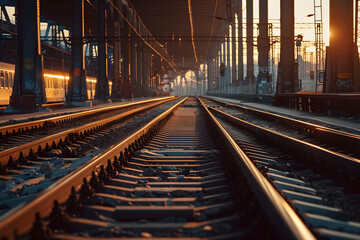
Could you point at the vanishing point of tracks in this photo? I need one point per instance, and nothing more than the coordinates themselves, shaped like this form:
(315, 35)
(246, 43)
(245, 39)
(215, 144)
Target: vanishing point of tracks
(180, 176)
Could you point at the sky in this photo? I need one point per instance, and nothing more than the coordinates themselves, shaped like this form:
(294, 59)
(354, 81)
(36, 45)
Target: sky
(302, 9)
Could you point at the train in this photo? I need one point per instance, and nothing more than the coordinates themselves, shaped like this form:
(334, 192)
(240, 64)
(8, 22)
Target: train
(55, 82)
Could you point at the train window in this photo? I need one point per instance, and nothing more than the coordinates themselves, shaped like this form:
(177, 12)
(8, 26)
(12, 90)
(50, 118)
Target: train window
(6, 79)
(2, 79)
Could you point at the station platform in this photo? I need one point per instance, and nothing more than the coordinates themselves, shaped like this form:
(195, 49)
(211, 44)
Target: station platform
(350, 125)
(17, 118)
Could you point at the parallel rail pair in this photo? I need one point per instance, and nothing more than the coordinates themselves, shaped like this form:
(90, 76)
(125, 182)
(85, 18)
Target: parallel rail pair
(347, 166)
(288, 224)
(24, 150)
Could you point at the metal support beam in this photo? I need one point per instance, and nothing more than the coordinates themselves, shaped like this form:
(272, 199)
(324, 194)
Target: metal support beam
(217, 65)
(287, 77)
(28, 89)
(233, 52)
(228, 62)
(263, 45)
(116, 81)
(250, 42)
(145, 78)
(263, 40)
(125, 53)
(342, 54)
(240, 43)
(77, 93)
(138, 66)
(102, 84)
(133, 62)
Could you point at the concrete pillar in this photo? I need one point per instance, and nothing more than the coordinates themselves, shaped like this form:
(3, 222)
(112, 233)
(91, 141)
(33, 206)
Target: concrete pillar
(287, 83)
(250, 42)
(28, 89)
(240, 42)
(102, 84)
(263, 41)
(77, 91)
(116, 81)
(342, 54)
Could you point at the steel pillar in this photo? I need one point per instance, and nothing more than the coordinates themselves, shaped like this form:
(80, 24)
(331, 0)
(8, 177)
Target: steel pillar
(28, 90)
(287, 77)
(145, 78)
(210, 73)
(342, 54)
(125, 53)
(240, 43)
(228, 63)
(217, 65)
(263, 41)
(77, 92)
(233, 52)
(116, 81)
(139, 66)
(250, 42)
(102, 84)
(133, 63)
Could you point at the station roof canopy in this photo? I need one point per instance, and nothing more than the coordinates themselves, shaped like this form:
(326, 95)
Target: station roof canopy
(188, 29)
(166, 18)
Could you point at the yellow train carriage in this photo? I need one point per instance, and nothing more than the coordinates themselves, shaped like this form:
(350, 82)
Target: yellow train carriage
(55, 83)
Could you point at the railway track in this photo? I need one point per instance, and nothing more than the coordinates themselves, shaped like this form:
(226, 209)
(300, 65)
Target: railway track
(180, 176)
(319, 184)
(340, 150)
(21, 142)
(41, 170)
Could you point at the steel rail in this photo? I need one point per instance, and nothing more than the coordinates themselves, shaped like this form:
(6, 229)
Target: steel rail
(14, 128)
(287, 222)
(347, 140)
(332, 161)
(19, 220)
(25, 149)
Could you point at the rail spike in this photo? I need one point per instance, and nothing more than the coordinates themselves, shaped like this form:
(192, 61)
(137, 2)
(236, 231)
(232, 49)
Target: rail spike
(57, 218)
(85, 192)
(73, 204)
(116, 164)
(12, 164)
(110, 170)
(22, 159)
(103, 176)
(95, 183)
(38, 232)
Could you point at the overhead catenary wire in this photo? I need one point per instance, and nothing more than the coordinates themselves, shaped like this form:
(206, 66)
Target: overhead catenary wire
(212, 28)
(144, 40)
(192, 30)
